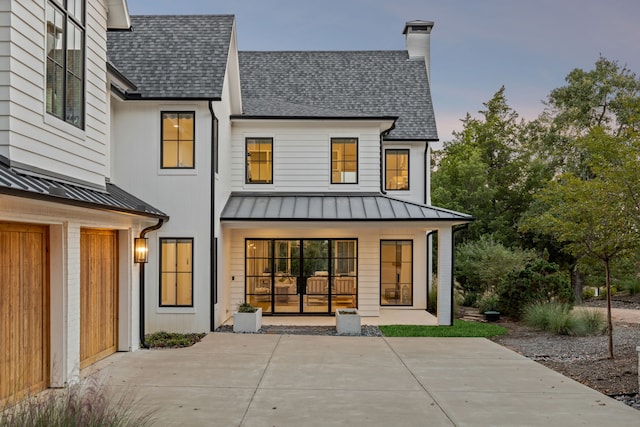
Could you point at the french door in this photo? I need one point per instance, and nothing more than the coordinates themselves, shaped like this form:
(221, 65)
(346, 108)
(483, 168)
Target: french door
(310, 276)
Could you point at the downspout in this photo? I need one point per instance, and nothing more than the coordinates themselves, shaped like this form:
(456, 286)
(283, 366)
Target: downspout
(426, 165)
(453, 263)
(213, 265)
(382, 135)
(429, 265)
(143, 342)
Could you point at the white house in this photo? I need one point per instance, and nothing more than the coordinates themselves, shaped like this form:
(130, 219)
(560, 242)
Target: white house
(298, 181)
(68, 283)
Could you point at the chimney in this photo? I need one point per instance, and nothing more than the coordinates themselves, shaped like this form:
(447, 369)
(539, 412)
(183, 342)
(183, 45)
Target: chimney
(417, 37)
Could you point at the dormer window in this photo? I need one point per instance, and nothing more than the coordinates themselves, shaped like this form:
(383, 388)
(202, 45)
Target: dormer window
(65, 61)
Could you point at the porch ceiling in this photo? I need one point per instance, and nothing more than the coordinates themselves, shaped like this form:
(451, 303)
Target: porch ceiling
(332, 207)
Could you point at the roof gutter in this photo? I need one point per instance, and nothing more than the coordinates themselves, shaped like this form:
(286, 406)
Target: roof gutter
(143, 342)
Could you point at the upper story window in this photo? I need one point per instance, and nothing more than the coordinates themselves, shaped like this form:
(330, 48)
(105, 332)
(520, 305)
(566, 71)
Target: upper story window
(344, 160)
(396, 169)
(65, 61)
(259, 161)
(178, 139)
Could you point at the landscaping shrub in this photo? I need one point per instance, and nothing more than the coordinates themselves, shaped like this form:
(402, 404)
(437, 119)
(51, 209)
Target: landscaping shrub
(588, 293)
(539, 280)
(483, 263)
(489, 301)
(432, 302)
(537, 315)
(470, 299)
(85, 404)
(559, 319)
(630, 286)
(164, 339)
(589, 322)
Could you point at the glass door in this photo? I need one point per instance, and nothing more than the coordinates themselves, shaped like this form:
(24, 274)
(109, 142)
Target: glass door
(301, 276)
(287, 277)
(315, 276)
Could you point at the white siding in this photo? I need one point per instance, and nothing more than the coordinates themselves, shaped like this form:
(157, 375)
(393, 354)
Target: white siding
(35, 138)
(417, 180)
(184, 195)
(302, 155)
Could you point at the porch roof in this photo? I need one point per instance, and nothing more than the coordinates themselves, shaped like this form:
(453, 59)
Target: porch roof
(111, 198)
(332, 207)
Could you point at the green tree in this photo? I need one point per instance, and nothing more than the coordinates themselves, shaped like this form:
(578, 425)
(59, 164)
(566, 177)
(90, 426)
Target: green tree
(486, 172)
(605, 100)
(594, 217)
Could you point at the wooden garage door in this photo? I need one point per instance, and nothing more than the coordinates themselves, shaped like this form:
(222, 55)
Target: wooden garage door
(24, 310)
(98, 295)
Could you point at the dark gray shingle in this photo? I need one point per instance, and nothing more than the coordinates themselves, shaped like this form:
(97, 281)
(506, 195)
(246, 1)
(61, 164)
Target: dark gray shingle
(168, 56)
(340, 84)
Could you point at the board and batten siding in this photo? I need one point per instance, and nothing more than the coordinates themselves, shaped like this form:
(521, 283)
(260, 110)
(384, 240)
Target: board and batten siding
(34, 138)
(302, 155)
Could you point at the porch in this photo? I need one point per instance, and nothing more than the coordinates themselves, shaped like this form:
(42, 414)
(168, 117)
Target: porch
(387, 317)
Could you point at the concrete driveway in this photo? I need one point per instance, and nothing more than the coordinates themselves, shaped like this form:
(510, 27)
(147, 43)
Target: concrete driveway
(296, 380)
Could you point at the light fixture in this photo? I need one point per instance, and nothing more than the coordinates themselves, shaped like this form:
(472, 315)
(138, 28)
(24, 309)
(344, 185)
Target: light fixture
(140, 250)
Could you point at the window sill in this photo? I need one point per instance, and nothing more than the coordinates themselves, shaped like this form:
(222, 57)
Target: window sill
(175, 310)
(65, 127)
(178, 172)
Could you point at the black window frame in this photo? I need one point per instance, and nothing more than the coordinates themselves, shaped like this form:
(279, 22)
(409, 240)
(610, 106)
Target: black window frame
(412, 273)
(69, 19)
(160, 246)
(260, 140)
(387, 151)
(336, 140)
(162, 141)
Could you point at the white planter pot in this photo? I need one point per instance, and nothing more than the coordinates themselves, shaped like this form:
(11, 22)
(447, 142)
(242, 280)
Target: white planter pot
(247, 322)
(348, 321)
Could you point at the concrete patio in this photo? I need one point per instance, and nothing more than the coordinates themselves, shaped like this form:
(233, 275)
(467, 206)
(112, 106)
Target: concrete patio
(296, 380)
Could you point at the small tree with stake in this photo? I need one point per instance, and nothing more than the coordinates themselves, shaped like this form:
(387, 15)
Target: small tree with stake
(592, 216)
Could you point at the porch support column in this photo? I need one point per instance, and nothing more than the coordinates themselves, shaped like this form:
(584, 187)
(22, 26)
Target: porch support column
(445, 276)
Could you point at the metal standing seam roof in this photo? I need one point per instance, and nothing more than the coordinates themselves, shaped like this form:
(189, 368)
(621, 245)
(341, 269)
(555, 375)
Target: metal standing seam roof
(169, 56)
(339, 84)
(331, 207)
(112, 198)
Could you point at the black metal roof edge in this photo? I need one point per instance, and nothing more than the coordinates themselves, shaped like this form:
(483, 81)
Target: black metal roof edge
(78, 203)
(129, 96)
(411, 139)
(245, 219)
(420, 205)
(463, 216)
(112, 68)
(263, 117)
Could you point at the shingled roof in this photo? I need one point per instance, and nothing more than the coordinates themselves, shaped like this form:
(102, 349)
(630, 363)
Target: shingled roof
(340, 84)
(168, 56)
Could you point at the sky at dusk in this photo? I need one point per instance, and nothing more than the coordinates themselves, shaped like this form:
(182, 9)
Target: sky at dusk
(476, 46)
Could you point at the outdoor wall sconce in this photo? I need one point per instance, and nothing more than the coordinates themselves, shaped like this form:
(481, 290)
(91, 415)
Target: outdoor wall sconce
(140, 250)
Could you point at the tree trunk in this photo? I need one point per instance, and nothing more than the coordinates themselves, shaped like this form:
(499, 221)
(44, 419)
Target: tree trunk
(577, 282)
(609, 322)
